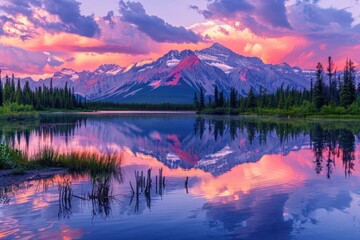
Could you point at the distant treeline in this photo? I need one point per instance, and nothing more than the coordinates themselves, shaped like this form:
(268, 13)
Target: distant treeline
(47, 98)
(137, 106)
(339, 96)
(40, 98)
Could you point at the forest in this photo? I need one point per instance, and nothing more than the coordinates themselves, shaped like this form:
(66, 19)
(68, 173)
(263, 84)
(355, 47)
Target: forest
(15, 99)
(329, 93)
(40, 99)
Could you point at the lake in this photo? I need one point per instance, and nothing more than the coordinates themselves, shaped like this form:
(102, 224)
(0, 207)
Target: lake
(222, 178)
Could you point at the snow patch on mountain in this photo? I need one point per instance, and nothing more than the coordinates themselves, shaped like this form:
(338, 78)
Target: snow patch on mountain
(128, 68)
(144, 62)
(222, 66)
(172, 62)
(205, 57)
(74, 77)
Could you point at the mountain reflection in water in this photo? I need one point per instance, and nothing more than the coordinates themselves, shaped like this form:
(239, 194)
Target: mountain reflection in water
(248, 178)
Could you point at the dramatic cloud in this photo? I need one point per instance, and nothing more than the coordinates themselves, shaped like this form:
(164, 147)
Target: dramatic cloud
(71, 19)
(262, 17)
(273, 12)
(308, 18)
(55, 16)
(155, 27)
(20, 60)
(323, 30)
(123, 37)
(43, 36)
(228, 8)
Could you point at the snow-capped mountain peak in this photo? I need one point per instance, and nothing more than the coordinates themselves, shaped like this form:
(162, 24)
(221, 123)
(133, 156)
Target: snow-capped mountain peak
(109, 69)
(175, 76)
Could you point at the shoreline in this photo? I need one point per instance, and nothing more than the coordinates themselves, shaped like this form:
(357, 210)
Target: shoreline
(285, 116)
(8, 178)
(104, 112)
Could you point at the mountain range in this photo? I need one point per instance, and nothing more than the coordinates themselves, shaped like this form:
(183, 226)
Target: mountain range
(175, 77)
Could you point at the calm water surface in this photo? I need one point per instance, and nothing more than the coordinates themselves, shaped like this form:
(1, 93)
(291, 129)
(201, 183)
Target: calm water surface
(248, 179)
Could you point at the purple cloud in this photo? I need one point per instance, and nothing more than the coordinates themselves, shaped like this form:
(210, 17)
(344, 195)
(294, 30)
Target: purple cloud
(109, 18)
(228, 8)
(21, 60)
(120, 37)
(330, 25)
(274, 13)
(155, 27)
(271, 18)
(68, 11)
(262, 17)
(72, 21)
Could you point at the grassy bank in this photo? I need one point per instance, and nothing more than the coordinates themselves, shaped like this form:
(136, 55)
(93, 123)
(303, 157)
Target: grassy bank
(13, 111)
(305, 111)
(20, 162)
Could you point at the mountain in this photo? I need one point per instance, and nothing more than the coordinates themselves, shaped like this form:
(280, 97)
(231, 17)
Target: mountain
(175, 77)
(214, 145)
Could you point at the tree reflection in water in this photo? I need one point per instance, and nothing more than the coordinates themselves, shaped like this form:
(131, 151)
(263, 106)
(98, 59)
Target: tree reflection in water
(329, 141)
(244, 200)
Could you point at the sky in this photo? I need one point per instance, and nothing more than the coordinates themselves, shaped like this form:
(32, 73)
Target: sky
(40, 37)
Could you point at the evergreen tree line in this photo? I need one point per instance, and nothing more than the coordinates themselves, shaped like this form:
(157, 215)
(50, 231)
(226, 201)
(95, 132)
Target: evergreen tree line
(281, 98)
(40, 98)
(338, 91)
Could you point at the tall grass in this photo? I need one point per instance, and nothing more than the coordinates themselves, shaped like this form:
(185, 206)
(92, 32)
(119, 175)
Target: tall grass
(91, 163)
(77, 162)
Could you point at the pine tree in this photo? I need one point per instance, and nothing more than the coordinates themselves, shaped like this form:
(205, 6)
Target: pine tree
(216, 96)
(19, 98)
(262, 99)
(221, 99)
(196, 101)
(12, 89)
(202, 99)
(27, 94)
(335, 90)
(7, 93)
(251, 100)
(311, 89)
(281, 98)
(319, 94)
(51, 86)
(330, 73)
(1, 92)
(348, 89)
(233, 98)
(210, 102)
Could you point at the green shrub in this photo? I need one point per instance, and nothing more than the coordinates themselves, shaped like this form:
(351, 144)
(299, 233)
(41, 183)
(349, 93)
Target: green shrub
(17, 111)
(6, 161)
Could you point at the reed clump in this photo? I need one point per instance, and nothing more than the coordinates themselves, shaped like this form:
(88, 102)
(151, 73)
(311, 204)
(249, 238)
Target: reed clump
(78, 162)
